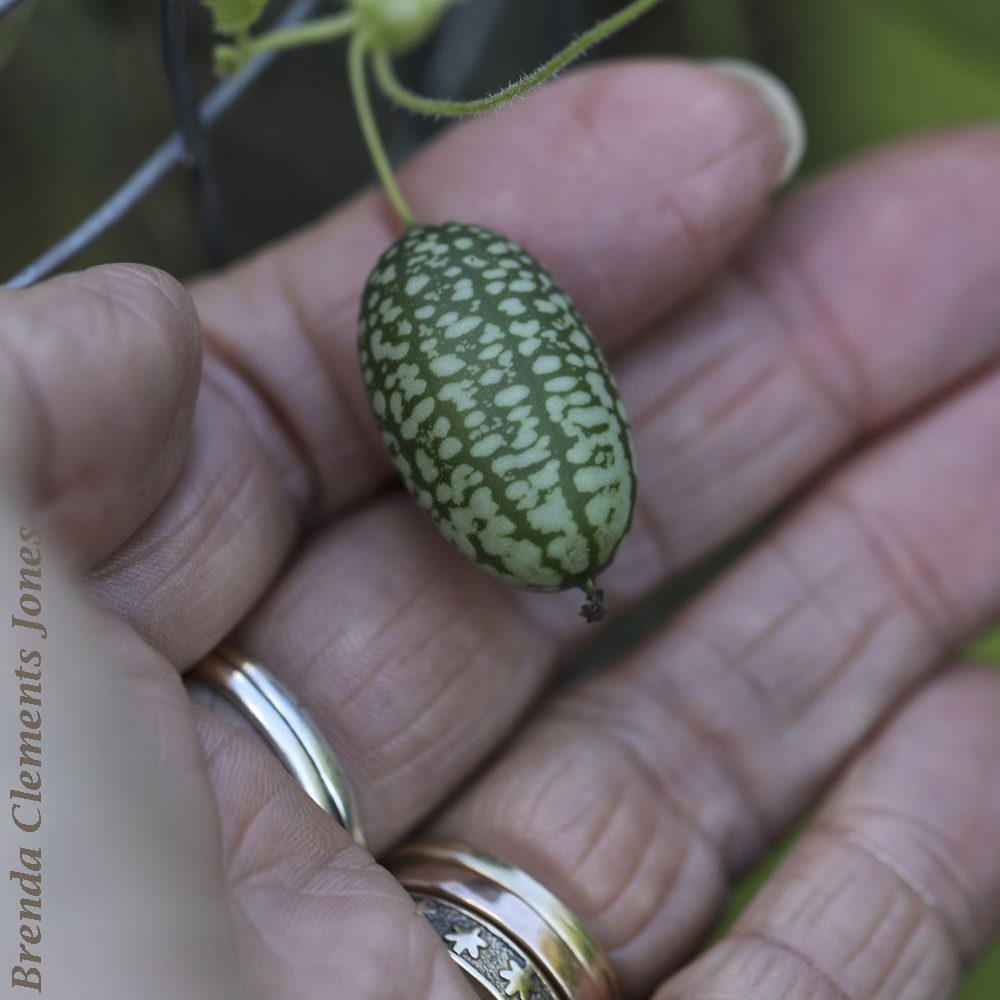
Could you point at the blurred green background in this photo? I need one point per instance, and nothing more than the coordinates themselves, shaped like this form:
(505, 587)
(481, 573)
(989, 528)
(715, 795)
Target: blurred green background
(82, 100)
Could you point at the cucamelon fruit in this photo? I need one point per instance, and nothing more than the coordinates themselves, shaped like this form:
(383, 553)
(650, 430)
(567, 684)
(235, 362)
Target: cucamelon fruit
(498, 408)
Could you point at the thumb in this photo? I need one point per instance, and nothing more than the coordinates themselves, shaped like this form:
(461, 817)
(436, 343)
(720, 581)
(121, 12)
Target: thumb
(111, 837)
(116, 887)
(98, 376)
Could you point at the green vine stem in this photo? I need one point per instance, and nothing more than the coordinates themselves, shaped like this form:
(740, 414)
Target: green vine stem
(229, 58)
(381, 29)
(324, 29)
(393, 89)
(356, 54)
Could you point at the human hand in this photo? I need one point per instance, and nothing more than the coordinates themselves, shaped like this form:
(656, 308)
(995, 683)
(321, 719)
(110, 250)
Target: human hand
(841, 354)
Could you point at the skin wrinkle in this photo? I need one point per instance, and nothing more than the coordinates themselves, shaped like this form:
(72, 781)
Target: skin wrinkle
(111, 298)
(244, 834)
(740, 399)
(361, 421)
(610, 813)
(951, 609)
(911, 884)
(704, 371)
(666, 888)
(754, 824)
(858, 644)
(891, 969)
(851, 819)
(713, 747)
(716, 522)
(812, 593)
(927, 915)
(884, 548)
(419, 595)
(390, 624)
(591, 909)
(828, 979)
(819, 588)
(168, 287)
(211, 527)
(306, 882)
(426, 710)
(278, 269)
(826, 318)
(846, 403)
(728, 659)
(805, 592)
(134, 555)
(597, 909)
(884, 911)
(585, 111)
(671, 204)
(301, 501)
(646, 773)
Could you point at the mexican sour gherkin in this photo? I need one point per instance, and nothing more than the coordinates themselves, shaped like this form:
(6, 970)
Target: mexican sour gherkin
(498, 408)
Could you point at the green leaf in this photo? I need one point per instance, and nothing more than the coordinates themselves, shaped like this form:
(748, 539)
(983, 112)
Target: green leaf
(234, 16)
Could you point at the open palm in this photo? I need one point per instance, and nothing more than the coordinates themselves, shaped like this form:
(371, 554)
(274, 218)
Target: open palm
(840, 357)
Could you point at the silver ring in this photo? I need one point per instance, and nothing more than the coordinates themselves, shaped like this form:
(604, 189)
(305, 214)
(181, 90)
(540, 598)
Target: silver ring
(283, 723)
(510, 936)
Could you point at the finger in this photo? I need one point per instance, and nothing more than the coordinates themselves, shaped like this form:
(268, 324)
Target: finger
(896, 887)
(416, 665)
(313, 913)
(866, 295)
(98, 375)
(285, 436)
(637, 795)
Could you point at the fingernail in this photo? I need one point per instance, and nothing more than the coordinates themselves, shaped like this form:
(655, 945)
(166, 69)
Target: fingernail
(780, 101)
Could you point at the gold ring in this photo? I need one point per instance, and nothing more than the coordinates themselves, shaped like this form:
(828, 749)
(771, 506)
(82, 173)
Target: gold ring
(285, 726)
(508, 933)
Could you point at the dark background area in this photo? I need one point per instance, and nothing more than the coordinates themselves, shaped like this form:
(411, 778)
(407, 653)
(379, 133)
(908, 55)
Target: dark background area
(83, 100)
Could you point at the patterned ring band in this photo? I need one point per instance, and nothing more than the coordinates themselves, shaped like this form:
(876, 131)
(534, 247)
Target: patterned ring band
(285, 726)
(509, 934)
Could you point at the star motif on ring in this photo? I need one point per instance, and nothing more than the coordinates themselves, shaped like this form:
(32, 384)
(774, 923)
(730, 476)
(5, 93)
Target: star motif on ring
(520, 979)
(468, 942)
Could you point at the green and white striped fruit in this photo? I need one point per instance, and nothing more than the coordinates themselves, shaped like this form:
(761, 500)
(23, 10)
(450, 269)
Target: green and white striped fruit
(498, 408)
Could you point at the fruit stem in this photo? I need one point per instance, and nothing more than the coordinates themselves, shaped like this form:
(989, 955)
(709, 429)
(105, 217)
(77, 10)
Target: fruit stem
(356, 54)
(324, 29)
(594, 609)
(403, 96)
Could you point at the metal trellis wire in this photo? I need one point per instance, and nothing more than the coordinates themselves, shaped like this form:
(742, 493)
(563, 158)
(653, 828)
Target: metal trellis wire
(180, 147)
(6, 6)
(198, 154)
(443, 68)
